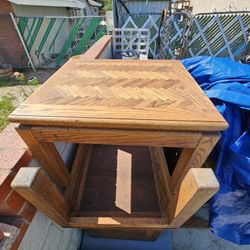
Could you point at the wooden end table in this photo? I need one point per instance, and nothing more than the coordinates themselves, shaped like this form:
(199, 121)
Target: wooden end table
(154, 104)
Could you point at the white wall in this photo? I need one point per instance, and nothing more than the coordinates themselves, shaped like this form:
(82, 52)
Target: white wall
(91, 11)
(41, 11)
(142, 6)
(220, 5)
(24, 10)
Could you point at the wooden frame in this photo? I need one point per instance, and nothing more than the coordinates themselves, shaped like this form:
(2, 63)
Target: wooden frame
(197, 146)
(154, 138)
(36, 187)
(48, 156)
(144, 104)
(89, 220)
(196, 188)
(176, 205)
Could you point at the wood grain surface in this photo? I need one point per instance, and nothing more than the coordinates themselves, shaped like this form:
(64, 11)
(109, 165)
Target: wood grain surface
(34, 185)
(197, 187)
(117, 136)
(125, 234)
(127, 94)
(119, 181)
(78, 174)
(162, 178)
(119, 191)
(193, 158)
(47, 155)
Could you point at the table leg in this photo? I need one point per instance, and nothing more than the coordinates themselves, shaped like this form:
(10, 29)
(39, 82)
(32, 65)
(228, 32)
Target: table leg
(47, 155)
(197, 187)
(35, 186)
(193, 158)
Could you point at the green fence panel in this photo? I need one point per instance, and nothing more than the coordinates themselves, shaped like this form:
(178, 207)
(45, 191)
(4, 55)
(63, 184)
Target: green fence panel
(34, 34)
(101, 32)
(55, 37)
(22, 24)
(58, 37)
(70, 39)
(30, 30)
(45, 36)
(84, 41)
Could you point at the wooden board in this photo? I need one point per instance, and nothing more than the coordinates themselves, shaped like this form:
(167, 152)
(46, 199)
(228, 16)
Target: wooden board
(78, 174)
(152, 94)
(117, 136)
(119, 183)
(149, 235)
(197, 187)
(34, 185)
(119, 192)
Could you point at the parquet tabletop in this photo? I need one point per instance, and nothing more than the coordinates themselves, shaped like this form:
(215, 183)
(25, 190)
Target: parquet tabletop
(151, 94)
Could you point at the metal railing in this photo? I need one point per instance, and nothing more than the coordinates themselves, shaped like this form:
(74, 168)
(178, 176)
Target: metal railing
(219, 34)
(182, 35)
(214, 34)
(50, 41)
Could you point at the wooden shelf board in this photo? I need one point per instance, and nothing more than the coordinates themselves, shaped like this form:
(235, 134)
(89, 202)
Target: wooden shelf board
(119, 190)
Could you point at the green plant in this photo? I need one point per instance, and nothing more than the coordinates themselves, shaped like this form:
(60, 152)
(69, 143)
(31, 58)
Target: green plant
(107, 4)
(4, 82)
(6, 107)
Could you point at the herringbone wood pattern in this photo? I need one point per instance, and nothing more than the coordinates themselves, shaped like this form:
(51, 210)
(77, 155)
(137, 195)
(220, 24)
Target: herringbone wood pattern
(115, 92)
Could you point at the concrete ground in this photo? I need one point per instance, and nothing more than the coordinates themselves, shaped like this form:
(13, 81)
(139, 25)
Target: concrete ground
(43, 234)
(178, 239)
(201, 239)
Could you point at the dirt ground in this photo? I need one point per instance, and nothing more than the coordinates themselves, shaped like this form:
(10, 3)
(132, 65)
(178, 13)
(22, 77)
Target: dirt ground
(41, 74)
(22, 91)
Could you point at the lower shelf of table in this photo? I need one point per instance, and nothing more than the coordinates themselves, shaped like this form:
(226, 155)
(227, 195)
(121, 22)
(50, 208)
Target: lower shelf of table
(118, 190)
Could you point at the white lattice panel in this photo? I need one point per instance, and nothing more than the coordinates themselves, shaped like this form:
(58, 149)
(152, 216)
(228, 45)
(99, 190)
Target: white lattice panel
(131, 40)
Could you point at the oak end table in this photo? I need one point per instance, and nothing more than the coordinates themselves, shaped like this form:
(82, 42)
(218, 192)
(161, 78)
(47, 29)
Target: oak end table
(147, 105)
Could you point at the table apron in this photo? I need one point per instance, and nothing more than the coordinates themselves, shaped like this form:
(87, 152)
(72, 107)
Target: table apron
(118, 137)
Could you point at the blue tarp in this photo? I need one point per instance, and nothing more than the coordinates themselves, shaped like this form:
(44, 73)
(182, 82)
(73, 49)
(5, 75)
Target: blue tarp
(227, 84)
